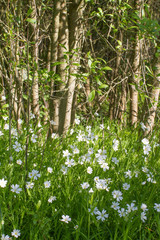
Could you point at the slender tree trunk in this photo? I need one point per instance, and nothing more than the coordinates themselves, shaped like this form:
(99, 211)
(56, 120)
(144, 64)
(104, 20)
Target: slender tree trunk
(60, 87)
(154, 99)
(35, 37)
(18, 76)
(136, 72)
(76, 9)
(54, 59)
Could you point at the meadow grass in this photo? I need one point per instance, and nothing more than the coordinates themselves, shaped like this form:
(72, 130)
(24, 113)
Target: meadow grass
(98, 182)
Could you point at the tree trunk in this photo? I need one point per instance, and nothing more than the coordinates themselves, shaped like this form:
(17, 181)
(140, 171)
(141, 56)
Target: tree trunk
(136, 73)
(76, 9)
(35, 38)
(154, 99)
(54, 52)
(62, 57)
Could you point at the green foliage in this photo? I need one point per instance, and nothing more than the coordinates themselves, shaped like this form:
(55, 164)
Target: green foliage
(102, 156)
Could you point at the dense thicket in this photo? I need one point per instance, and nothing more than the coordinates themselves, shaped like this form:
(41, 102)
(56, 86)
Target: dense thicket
(60, 56)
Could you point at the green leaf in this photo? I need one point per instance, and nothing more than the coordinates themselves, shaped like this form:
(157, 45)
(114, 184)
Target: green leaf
(57, 63)
(91, 96)
(150, 71)
(100, 10)
(29, 11)
(89, 63)
(103, 86)
(38, 204)
(5, 106)
(25, 96)
(31, 20)
(107, 68)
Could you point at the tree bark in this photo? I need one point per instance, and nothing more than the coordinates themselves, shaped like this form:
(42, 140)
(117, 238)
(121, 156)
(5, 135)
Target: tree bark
(54, 56)
(35, 38)
(76, 9)
(136, 73)
(154, 99)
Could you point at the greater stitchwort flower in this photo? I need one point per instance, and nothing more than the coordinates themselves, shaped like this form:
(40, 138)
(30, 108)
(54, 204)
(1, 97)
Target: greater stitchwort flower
(65, 218)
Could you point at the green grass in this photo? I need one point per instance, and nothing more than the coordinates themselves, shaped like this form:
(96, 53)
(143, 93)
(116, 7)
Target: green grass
(29, 210)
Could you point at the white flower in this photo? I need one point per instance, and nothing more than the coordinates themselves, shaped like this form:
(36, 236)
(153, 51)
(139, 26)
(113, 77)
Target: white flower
(5, 237)
(131, 207)
(126, 186)
(16, 188)
(70, 162)
(91, 190)
(14, 132)
(3, 183)
(47, 184)
(49, 169)
(143, 216)
(54, 135)
(51, 199)
(32, 115)
(144, 207)
(101, 155)
(3, 98)
(101, 184)
(65, 219)
(122, 212)
(77, 121)
(101, 126)
(144, 169)
(101, 215)
(75, 151)
(16, 233)
(66, 153)
(90, 151)
(71, 131)
(6, 126)
(64, 170)
(17, 146)
(96, 179)
(157, 207)
(146, 149)
(76, 227)
(95, 210)
(29, 185)
(19, 162)
(34, 174)
(115, 160)
(20, 121)
(115, 144)
(85, 185)
(143, 126)
(105, 166)
(89, 170)
(33, 138)
(128, 174)
(1, 134)
(117, 194)
(52, 122)
(145, 141)
(115, 205)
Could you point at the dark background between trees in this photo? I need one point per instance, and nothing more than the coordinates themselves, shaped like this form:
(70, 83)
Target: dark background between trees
(58, 57)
